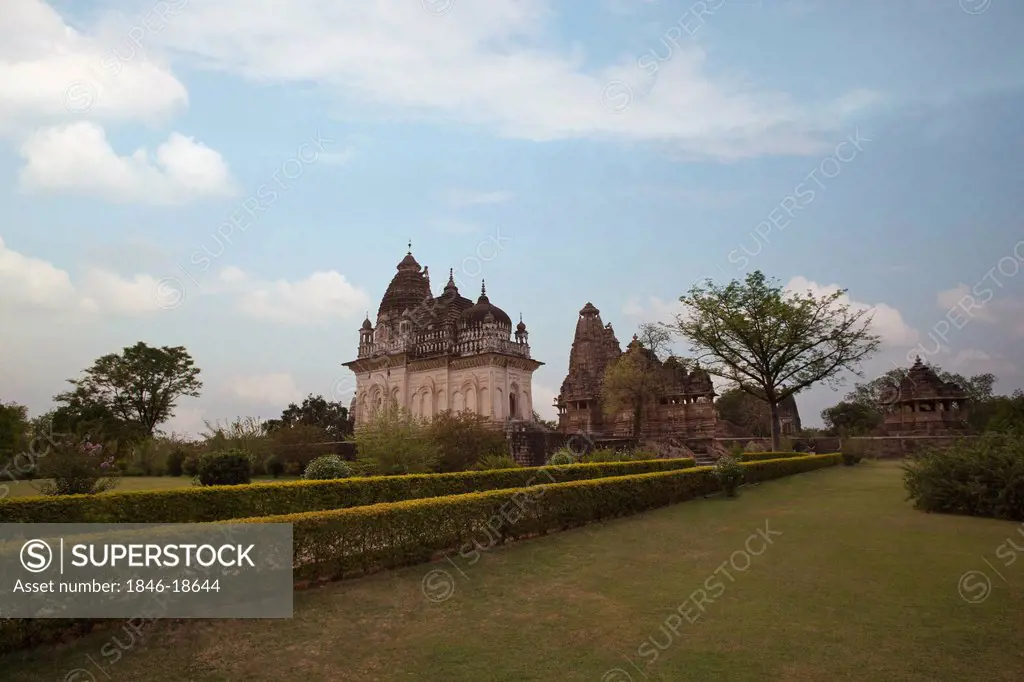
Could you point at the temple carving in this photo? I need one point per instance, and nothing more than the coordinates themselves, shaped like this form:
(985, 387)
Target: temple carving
(684, 403)
(925, 405)
(429, 353)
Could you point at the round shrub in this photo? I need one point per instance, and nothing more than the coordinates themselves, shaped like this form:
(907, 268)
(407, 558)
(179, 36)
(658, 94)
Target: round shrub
(561, 458)
(327, 467)
(229, 467)
(729, 473)
(274, 466)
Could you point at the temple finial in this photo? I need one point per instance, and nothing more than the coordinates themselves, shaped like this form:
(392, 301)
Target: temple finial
(410, 247)
(483, 288)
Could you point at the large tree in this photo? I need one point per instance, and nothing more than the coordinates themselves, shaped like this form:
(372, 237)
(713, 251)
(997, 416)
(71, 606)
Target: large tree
(848, 418)
(14, 427)
(751, 413)
(138, 387)
(631, 381)
(315, 410)
(772, 343)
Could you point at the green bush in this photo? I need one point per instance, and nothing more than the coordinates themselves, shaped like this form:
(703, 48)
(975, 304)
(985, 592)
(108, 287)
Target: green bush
(602, 455)
(462, 439)
(274, 466)
(231, 467)
(76, 466)
(494, 462)
(326, 468)
(981, 476)
(190, 466)
(562, 457)
(175, 462)
(395, 443)
(729, 474)
(199, 504)
(849, 459)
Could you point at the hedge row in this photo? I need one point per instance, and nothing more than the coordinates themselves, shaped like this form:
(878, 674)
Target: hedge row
(219, 503)
(338, 543)
(762, 456)
(345, 542)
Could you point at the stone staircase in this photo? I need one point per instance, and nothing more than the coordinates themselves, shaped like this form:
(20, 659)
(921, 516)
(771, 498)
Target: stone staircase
(704, 459)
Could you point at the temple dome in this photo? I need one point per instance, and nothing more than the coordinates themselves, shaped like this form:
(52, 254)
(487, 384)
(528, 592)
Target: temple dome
(407, 290)
(479, 312)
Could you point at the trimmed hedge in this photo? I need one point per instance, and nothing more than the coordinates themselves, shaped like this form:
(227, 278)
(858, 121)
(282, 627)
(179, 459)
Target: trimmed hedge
(762, 456)
(340, 543)
(219, 503)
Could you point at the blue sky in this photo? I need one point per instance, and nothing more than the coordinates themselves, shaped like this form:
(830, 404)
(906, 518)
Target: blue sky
(567, 152)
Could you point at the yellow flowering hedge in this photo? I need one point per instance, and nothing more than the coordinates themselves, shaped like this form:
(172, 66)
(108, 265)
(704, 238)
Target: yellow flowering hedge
(345, 542)
(218, 503)
(761, 456)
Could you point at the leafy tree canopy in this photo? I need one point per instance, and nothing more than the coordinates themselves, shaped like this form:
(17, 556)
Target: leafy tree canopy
(315, 410)
(771, 342)
(140, 386)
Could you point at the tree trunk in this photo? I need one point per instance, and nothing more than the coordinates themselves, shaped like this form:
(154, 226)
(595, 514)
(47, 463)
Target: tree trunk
(773, 408)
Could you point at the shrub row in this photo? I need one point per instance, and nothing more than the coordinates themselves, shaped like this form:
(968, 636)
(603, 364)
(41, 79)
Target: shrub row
(761, 456)
(981, 476)
(218, 503)
(340, 543)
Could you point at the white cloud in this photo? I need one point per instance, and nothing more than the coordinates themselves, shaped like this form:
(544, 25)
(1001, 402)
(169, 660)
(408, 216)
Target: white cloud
(114, 293)
(77, 157)
(492, 64)
(321, 297)
(655, 309)
(887, 322)
(51, 71)
(35, 283)
(974, 361)
(961, 304)
(267, 389)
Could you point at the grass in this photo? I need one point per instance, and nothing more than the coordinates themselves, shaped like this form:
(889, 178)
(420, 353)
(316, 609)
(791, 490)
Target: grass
(127, 484)
(858, 586)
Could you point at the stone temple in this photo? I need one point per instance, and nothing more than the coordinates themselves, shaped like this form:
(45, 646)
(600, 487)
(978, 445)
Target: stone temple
(429, 353)
(925, 405)
(684, 407)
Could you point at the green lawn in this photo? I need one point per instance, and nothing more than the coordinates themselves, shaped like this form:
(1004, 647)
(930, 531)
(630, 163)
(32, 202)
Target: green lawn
(857, 586)
(127, 483)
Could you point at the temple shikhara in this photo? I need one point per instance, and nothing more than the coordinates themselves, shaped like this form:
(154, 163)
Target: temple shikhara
(925, 405)
(430, 353)
(685, 399)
